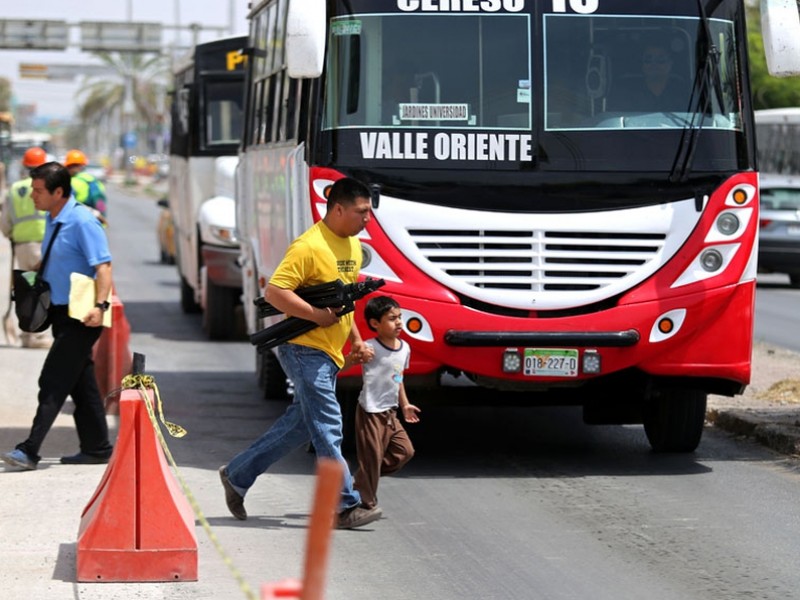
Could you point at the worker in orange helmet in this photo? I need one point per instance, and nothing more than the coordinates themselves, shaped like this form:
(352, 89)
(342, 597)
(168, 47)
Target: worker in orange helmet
(86, 188)
(24, 226)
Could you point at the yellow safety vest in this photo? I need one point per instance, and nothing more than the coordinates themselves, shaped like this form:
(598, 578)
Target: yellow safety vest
(80, 189)
(88, 190)
(27, 223)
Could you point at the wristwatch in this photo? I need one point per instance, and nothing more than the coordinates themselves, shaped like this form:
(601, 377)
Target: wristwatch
(104, 306)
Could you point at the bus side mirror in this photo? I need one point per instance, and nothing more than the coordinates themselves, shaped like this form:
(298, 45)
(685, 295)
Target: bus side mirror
(305, 38)
(780, 28)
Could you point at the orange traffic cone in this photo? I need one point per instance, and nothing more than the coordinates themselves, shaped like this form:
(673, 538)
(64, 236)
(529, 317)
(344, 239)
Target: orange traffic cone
(112, 355)
(137, 526)
(329, 486)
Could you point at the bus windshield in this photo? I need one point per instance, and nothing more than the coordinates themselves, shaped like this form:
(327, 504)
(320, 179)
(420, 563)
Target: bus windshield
(223, 111)
(374, 80)
(639, 73)
(608, 72)
(560, 92)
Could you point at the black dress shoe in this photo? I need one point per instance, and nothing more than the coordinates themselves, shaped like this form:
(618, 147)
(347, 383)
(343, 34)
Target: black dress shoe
(85, 459)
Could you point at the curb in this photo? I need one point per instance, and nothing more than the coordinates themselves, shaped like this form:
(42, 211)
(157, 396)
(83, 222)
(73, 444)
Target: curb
(779, 432)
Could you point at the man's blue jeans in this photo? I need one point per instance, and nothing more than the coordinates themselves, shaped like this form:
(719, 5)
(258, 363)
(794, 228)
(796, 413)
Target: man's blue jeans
(314, 416)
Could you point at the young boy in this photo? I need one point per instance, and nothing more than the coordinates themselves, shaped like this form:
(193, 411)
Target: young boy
(382, 443)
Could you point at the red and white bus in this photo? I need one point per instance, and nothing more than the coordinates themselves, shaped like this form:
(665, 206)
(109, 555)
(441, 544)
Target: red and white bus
(564, 192)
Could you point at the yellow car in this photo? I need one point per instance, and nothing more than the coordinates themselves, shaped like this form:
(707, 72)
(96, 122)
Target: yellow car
(166, 234)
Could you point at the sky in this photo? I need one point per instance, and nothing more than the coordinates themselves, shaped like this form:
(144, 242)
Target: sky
(57, 99)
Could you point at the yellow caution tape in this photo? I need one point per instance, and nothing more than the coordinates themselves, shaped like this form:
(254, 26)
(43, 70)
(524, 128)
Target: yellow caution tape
(142, 383)
(145, 382)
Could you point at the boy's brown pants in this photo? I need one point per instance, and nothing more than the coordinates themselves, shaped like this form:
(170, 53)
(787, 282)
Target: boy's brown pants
(383, 448)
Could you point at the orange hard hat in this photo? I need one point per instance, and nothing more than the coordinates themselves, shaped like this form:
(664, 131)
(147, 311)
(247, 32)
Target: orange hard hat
(75, 157)
(34, 157)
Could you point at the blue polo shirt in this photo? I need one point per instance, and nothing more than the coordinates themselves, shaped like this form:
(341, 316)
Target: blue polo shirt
(80, 246)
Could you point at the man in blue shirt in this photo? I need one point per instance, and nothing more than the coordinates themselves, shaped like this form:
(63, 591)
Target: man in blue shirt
(80, 246)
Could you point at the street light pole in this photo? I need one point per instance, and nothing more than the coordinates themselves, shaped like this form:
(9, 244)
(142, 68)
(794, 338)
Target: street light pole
(128, 135)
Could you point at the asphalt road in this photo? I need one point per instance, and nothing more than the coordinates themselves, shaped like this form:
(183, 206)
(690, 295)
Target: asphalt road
(777, 317)
(499, 503)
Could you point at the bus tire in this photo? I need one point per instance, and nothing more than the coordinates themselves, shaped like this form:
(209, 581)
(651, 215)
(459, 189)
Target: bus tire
(188, 305)
(348, 402)
(674, 419)
(794, 280)
(218, 317)
(271, 378)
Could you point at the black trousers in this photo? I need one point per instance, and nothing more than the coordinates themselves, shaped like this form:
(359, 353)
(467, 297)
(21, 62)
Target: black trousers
(68, 370)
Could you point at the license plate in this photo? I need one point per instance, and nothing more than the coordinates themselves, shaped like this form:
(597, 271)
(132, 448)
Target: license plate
(550, 362)
(793, 229)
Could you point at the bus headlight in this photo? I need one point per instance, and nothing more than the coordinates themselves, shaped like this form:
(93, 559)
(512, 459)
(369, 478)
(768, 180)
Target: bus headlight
(711, 260)
(224, 234)
(366, 256)
(727, 223)
(708, 263)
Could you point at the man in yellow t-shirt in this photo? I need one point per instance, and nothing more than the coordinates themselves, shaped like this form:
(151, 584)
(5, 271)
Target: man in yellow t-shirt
(327, 251)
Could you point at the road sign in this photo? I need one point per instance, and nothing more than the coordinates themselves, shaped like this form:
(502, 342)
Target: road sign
(62, 72)
(120, 37)
(32, 71)
(23, 34)
(129, 140)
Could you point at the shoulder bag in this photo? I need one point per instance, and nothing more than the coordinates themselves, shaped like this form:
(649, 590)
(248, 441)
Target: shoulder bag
(31, 295)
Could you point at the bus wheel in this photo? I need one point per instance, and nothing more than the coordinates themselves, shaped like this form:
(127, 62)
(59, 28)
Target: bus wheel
(674, 419)
(348, 402)
(218, 317)
(794, 280)
(271, 378)
(188, 305)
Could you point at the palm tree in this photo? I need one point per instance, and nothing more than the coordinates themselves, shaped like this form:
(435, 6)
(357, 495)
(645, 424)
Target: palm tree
(103, 102)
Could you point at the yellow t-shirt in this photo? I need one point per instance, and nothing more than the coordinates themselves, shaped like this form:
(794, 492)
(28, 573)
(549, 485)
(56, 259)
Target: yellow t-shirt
(320, 256)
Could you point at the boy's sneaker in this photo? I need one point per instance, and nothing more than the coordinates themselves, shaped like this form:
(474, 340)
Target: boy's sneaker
(358, 516)
(17, 458)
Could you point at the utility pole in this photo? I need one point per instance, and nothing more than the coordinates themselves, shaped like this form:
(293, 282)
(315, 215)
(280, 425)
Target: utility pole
(128, 136)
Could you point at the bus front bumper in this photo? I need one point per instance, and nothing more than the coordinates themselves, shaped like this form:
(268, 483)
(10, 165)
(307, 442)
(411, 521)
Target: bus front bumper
(707, 336)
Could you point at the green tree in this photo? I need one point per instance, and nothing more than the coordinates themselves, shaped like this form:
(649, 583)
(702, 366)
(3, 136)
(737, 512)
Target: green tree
(768, 91)
(5, 94)
(102, 103)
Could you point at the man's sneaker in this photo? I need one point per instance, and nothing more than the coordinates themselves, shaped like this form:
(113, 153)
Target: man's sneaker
(233, 499)
(17, 458)
(358, 516)
(85, 459)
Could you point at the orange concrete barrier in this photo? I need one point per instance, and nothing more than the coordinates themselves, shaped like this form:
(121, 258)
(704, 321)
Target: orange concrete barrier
(137, 526)
(288, 588)
(326, 499)
(112, 355)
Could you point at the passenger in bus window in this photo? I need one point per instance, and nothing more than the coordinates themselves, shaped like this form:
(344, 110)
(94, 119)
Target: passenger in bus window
(382, 442)
(399, 87)
(656, 89)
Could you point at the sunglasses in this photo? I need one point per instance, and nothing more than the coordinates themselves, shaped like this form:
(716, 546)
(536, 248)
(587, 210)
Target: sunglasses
(657, 59)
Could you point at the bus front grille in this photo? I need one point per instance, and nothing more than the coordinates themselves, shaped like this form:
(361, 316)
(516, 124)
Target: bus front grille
(534, 260)
(537, 261)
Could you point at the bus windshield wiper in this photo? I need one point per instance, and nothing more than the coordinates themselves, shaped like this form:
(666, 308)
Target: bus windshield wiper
(706, 80)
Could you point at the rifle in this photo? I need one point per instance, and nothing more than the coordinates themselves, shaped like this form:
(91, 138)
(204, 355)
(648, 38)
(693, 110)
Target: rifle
(333, 294)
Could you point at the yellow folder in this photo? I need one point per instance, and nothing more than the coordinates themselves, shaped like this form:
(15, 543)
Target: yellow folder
(82, 298)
